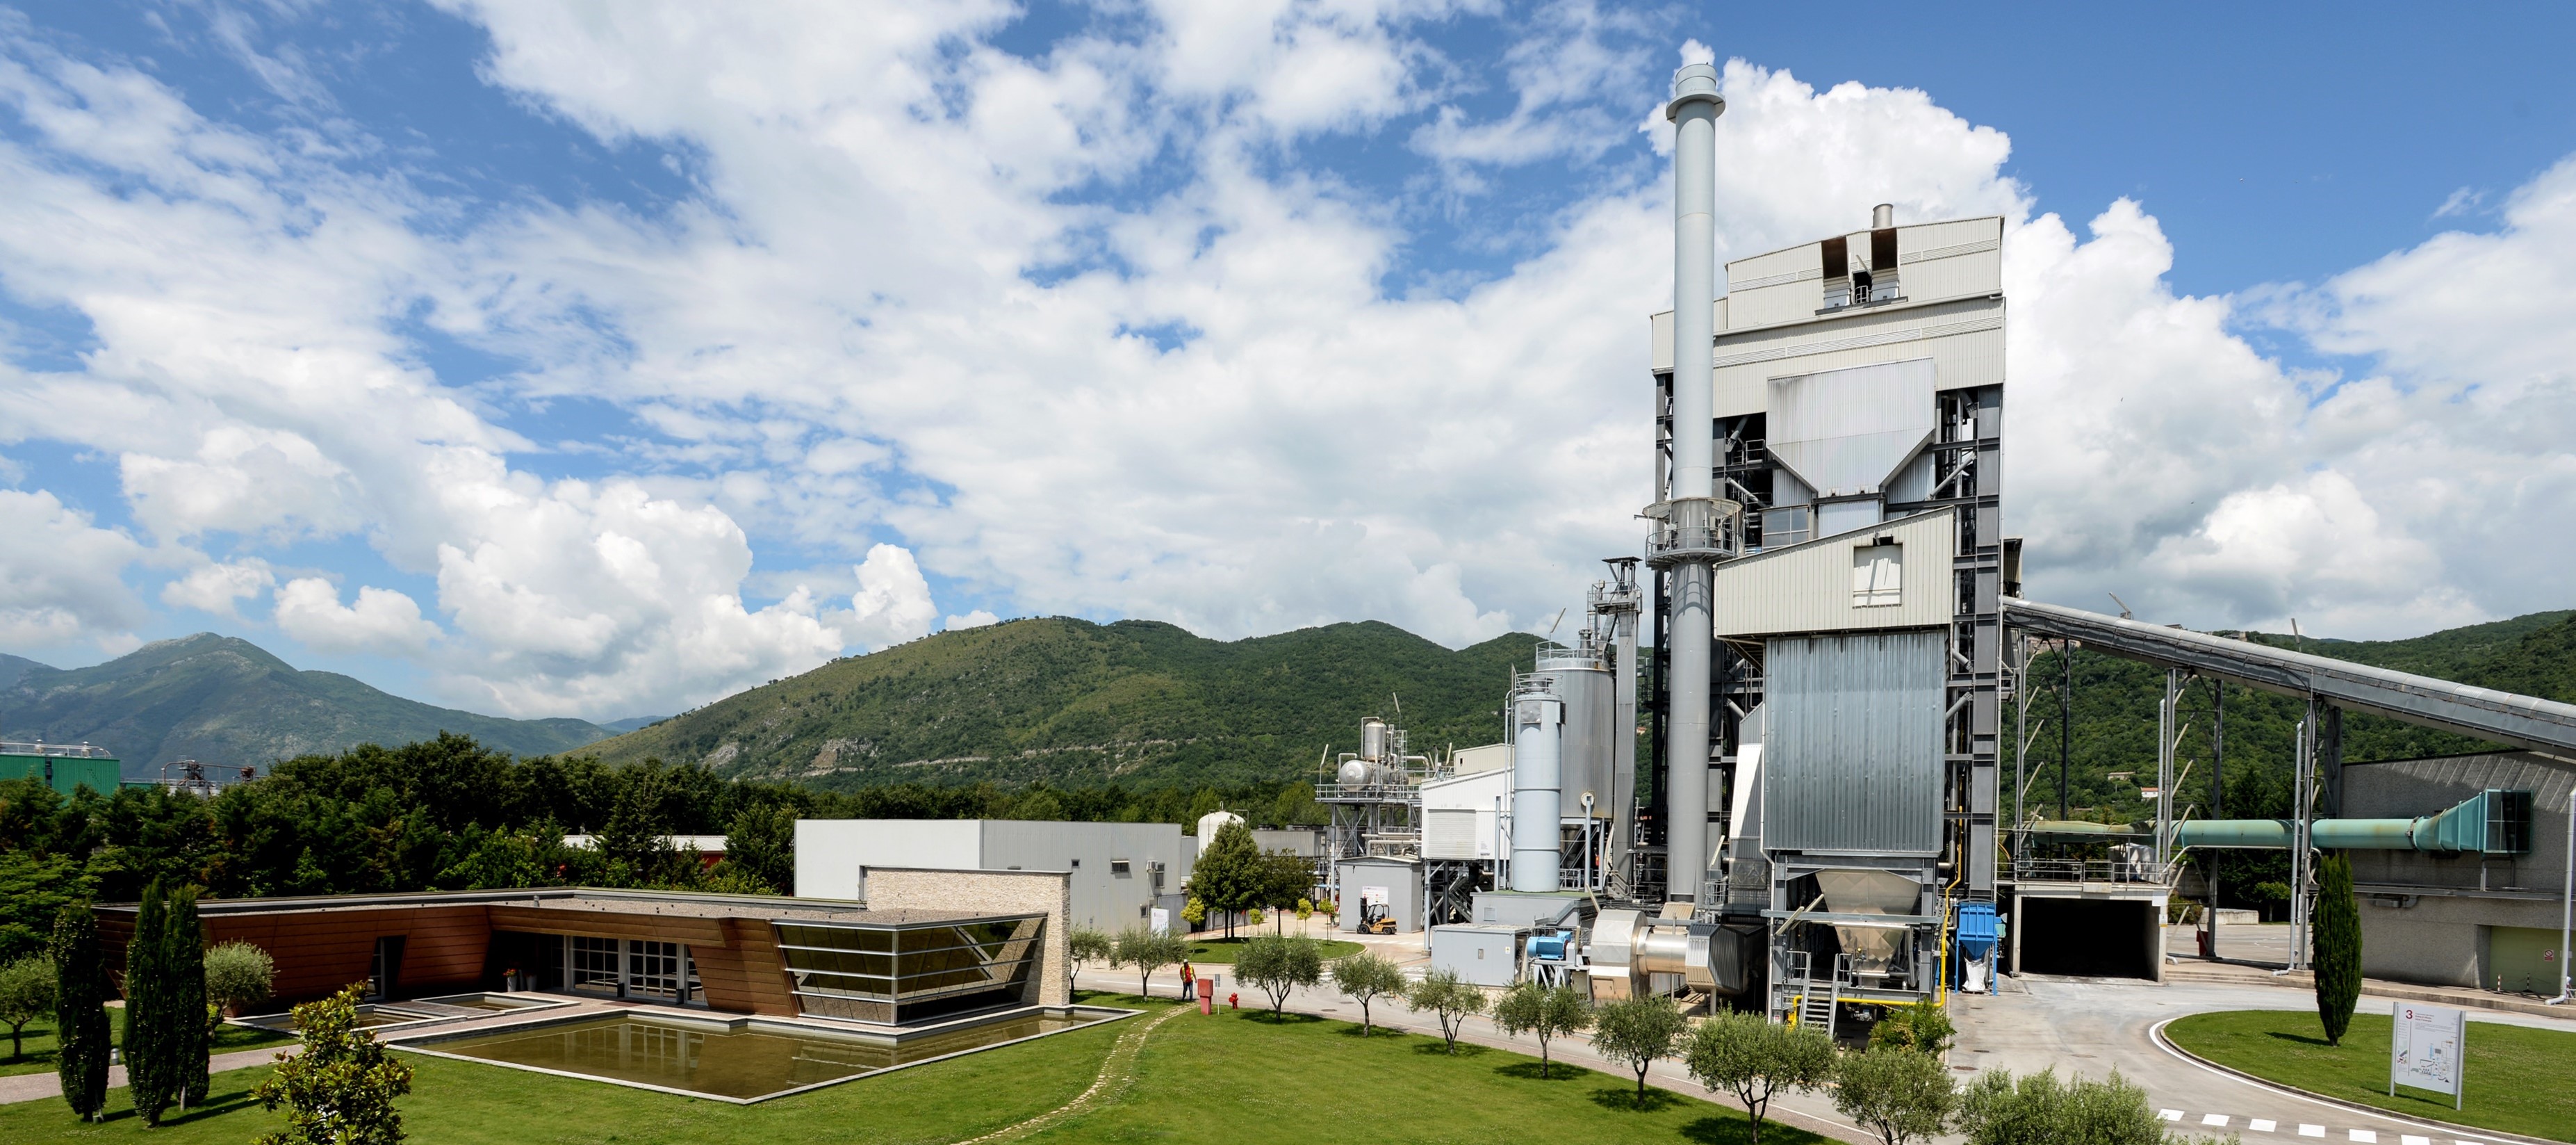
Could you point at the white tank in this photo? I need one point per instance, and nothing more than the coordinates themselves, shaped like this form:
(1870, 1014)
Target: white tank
(1213, 822)
(1372, 739)
(1357, 772)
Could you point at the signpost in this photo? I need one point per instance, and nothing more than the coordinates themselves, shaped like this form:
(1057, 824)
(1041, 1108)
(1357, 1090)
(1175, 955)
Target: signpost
(2426, 1048)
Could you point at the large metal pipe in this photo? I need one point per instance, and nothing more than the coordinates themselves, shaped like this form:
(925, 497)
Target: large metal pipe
(1693, 113)
(2464, 828)
(1538, 721)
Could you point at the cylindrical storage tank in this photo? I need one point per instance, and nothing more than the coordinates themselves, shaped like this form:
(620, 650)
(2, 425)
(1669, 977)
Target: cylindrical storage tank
(1213, 822)
(1537, 729)
(1357, 772)
(1372, 739)
(1591, 716)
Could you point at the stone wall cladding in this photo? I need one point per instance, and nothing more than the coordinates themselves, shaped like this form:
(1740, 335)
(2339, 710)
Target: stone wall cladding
(991, 892)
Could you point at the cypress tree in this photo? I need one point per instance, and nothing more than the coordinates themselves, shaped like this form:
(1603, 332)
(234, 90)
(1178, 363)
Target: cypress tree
(184, 958)
(2337, 947)
(80, 1010)
(148, 1067)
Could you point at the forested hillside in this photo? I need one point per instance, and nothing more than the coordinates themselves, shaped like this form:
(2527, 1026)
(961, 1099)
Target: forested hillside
(223, 700)
(1074, 704)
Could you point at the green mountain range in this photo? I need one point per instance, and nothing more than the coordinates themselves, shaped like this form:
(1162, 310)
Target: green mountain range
(1075, 703)
(226, 701)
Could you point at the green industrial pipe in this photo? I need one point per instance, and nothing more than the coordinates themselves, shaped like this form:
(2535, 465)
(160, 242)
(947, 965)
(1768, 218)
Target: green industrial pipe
(2492, 822)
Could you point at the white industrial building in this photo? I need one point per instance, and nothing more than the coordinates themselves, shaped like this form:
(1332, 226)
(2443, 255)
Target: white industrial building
(1120, 872)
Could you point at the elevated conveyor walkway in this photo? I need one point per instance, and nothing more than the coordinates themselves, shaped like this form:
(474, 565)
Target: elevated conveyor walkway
(2543, 726)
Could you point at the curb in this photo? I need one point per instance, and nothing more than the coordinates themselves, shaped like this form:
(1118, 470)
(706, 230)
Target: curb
(2157, 1035)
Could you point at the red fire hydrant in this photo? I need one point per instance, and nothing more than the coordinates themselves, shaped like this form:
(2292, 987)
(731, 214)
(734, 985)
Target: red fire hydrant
(1230, 1001)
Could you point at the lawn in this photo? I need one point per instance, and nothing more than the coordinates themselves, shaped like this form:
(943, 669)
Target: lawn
(2516, 1075)
(1235, 1077)
(39, 1057)
(469, 1103)
(1223, 950)
(1239, 1078)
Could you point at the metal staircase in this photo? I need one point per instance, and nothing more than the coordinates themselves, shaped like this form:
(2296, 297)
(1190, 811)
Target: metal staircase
(1818, 999)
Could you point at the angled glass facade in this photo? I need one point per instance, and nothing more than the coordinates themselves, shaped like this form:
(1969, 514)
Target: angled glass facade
(899, 973)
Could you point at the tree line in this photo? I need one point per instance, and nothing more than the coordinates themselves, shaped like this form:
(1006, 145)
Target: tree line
(450, 814)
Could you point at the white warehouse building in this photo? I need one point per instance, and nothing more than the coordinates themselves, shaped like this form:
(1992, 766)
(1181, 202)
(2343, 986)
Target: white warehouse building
(1121, 871)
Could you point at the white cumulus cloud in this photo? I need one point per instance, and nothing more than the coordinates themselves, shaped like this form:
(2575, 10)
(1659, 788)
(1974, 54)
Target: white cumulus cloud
(216, 585)
(380, 620)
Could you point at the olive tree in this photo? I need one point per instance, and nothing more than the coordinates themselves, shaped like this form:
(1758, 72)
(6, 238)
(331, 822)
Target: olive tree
(1364, 978)
(238, 974)
(1636, 1031)
(1088, 944)
(1903, 1095)
(1746, 1056)
(1144, 949)
(1545, 1012)
(1278, 964)
(1450, 998)
(26, 994)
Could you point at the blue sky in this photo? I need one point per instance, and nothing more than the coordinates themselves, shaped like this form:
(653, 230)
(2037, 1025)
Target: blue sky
(601, 360)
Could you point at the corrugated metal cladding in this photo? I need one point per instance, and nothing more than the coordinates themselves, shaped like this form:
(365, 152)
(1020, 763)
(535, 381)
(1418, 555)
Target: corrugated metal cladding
(1851, 762)
(1846, 431)
(1808, 587)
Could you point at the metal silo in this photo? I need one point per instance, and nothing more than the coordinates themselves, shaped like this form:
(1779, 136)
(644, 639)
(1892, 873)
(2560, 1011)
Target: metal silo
(1581, 677)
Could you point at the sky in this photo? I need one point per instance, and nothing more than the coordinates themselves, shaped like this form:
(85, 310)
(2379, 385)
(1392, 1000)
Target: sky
(603, 359)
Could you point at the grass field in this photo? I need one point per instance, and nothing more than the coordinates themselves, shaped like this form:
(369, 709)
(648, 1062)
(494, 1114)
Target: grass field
(1222, 950)
(39, 1057)
(2516, 1076)
(1234, 1077)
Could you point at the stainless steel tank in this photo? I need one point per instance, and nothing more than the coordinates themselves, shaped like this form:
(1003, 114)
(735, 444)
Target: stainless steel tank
(1582, 680)
(1372, 739)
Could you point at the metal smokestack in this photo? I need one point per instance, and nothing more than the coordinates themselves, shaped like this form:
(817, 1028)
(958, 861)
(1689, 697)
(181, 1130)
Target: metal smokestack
(1693, 508)
(1882, 216)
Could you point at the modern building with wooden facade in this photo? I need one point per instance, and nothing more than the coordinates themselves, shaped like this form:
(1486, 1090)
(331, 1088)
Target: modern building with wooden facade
(997, 941)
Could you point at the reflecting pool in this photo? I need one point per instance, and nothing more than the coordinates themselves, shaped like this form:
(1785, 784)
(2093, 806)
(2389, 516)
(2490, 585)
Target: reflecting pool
(740, 1064)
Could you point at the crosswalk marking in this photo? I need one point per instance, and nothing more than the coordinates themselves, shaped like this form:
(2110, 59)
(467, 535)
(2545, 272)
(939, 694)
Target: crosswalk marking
(2267, 1125)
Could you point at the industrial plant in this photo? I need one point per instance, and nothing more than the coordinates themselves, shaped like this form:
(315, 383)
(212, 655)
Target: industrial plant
(1781, 766)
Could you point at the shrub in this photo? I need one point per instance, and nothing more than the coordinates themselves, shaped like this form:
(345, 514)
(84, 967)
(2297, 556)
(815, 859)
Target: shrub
(1901, 1094)
(1636, 1031)
(2040, 1110)
(1749, 1057)
(1546, 1012)
(1927, 1028)
(340, 1089)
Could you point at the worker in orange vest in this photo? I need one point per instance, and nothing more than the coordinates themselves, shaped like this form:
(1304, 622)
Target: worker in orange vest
(1189, 983)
